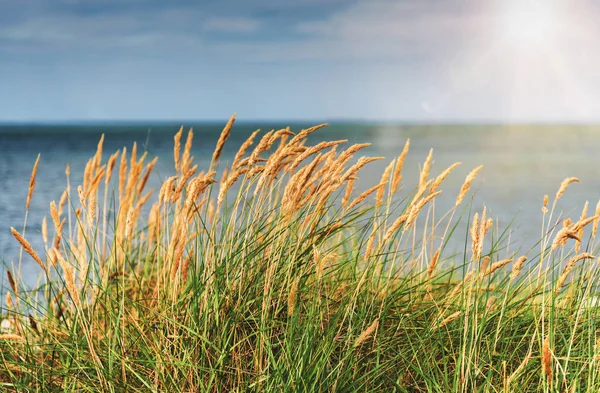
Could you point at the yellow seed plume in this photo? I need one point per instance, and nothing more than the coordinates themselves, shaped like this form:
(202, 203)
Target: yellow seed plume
(569, 267)
(497, 265)
(122, 173)
(292, 297)
(442, 176)
(449, 319)
(11, 281)
(45, 231)
(177, 148)
(563, 187)
(367, 333)
(365, 195)
(186, 159)
(433, 263)
(32, 182)
(395, 226)
(517, 267)
(69, 279)
(562, 236)
(242, 150)
(222, 139)
(398, 170)
(11, 337)
(547, 358)
(28, 249)
(426, 168)
(384, 181)
(466, 185)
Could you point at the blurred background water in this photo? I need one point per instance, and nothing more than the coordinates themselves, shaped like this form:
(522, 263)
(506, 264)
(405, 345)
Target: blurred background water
(521, 164)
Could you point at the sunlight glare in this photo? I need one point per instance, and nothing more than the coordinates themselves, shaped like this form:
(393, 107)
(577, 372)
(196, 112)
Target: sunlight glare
(530, 23)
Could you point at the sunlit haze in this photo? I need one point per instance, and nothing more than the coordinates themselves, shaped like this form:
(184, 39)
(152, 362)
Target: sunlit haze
(380, 60)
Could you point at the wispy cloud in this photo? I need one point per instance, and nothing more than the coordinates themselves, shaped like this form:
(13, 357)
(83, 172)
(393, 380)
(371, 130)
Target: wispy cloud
(232, 25)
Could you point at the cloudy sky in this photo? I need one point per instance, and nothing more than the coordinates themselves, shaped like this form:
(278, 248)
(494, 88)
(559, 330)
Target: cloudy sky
(388, 60)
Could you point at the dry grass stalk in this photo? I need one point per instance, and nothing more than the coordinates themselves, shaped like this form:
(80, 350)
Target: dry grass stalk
(395, 226)
(397, 177)
(27, 247)
(32, 182)
(122, 174)
(367, 333)
(485, 263)
(467, 185)
(547, 359)
(292, 297)
(497, 265)
(349, 189)
(424, 175)
(222, 139)
(449, 319)
(177, 149)
(517, 266)
(9, 301)
(304, 133)
(562, 236)
(563, 187)
(260, 148)
(69, 279)
(63, 200)
(597, 215)
(581, 227)
(416, 208)
(144, 180)
(242, 150)
(365, 195)
(313, 150)
(11, 337)
(474, 232)
(459, 286)
(433, 263)
(98, 156)
(45, 231)
(110, 166)
(569, 267)
(442, 176)
(353, 170)
(11, 281)
(186, 158)
(384, 181)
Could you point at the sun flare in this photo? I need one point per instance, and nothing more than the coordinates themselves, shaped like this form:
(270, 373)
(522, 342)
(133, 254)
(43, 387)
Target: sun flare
(530, 23)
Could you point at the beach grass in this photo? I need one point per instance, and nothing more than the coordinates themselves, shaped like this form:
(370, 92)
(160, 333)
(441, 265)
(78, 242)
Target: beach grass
(277, 275)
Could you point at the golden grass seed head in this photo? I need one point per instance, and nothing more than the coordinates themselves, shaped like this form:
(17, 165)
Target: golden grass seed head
(186, 158)
(563, 187)
(433, 263)
(517, 267)
(547, 358)
(32, 182)
(466, 185)
(177, 148)
(442, 176)
(397, 177)
(222, 139)
(367, 333)
(424, 175)
(28, 249)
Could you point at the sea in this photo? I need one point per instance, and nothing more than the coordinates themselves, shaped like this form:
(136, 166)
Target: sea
(521, 163)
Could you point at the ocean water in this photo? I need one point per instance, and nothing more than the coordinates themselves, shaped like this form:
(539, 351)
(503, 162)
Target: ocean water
(521, 164)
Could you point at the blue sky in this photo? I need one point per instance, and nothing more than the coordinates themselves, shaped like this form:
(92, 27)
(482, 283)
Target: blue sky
(401, 60)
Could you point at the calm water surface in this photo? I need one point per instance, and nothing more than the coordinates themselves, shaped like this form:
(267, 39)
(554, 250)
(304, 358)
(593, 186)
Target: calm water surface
(521, 164)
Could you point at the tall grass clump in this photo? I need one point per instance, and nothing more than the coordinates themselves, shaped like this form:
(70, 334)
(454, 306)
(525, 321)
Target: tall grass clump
(274, 274)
